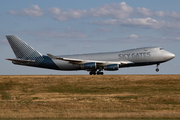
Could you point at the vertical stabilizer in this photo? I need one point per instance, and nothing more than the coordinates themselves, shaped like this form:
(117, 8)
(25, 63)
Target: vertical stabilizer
(21, 49)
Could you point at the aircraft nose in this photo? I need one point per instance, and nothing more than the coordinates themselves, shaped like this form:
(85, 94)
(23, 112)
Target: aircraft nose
(169, 56)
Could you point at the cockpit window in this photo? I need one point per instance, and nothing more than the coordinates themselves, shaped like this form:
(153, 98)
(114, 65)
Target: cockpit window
(161, 48)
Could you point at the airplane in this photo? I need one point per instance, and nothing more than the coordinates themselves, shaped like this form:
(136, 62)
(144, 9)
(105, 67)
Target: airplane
(95, 63)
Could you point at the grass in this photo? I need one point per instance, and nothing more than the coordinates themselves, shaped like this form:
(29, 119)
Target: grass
(87, 119)
(90, 97)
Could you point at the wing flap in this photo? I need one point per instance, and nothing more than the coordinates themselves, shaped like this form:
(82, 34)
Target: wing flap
(126, 62)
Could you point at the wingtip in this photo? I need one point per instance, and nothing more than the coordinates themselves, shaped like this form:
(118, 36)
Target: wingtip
(51, 56)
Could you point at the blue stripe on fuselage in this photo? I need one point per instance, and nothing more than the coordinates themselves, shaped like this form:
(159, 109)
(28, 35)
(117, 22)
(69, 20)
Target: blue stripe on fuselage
(48, 63)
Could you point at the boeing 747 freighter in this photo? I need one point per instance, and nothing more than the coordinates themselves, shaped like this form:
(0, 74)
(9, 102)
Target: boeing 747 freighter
(95, 63)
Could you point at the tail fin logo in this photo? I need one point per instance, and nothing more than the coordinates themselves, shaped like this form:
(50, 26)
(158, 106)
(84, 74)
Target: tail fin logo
(22, 50)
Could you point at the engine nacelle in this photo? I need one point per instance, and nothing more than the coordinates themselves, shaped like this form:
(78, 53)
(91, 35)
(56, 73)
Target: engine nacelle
(111, 67)
(88, 66)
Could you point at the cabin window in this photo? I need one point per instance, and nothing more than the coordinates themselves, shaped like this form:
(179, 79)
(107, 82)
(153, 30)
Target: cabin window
(161, 48)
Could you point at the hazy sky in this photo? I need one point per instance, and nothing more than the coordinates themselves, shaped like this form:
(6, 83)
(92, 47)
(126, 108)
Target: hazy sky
(63, 27)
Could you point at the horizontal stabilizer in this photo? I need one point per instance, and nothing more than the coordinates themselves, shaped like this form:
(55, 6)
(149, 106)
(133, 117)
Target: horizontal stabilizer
(21, 61)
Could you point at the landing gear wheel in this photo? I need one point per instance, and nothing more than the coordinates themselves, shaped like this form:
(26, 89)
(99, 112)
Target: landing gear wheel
(157, 69)
(100, 73)
(92, 73)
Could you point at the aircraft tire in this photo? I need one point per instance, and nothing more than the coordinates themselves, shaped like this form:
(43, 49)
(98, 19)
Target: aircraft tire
(100, 73)
(92, 73)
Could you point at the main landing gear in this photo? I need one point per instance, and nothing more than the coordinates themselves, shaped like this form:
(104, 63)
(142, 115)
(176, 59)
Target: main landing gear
(99, 73)
(157, 69)
(94, 73)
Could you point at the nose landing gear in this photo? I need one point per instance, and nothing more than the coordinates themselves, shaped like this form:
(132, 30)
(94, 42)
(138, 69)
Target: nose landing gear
(157, 69)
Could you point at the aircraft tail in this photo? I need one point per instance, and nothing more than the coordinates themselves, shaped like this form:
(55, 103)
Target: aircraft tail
(21, 49)
(26, 55)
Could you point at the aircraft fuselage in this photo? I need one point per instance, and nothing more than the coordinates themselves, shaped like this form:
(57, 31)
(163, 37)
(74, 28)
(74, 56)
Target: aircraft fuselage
(26, 55)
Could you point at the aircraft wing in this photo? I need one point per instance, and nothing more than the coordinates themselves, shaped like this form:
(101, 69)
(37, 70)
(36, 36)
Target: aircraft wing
(71, 60)
(81, 61)
(21, 61)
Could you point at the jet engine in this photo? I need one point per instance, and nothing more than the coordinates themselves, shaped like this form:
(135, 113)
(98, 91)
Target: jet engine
(111, 67)
(88, 66)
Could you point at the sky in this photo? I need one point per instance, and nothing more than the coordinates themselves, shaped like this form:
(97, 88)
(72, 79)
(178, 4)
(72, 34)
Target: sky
(63, 27)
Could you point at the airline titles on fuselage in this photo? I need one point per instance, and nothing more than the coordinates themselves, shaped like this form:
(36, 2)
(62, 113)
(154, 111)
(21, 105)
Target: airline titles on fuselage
(134, 55)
